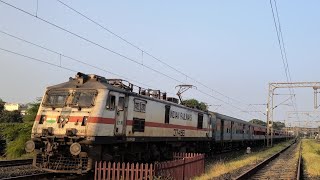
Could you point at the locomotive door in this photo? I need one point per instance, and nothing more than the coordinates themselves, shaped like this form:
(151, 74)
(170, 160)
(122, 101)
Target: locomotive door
(222, 130)
(121, 112)
(231, 130)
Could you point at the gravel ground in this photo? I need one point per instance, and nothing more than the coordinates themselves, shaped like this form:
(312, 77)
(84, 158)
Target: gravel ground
(237, 172)
(226, 157)
(6, 172)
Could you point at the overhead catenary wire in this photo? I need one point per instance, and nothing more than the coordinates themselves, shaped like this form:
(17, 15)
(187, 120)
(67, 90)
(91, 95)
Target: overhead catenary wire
(280, 40)
(36, 59)
(285, 56)
(90, 41)
(45, 62)
(143, 51)
(69, 57)
(73, 59)
(112, 51)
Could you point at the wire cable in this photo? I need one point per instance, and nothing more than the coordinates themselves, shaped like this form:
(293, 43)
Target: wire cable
(89, 41)
(144, 51)
(38, 60)
(74, 59)
(277, 25)
(105, 48)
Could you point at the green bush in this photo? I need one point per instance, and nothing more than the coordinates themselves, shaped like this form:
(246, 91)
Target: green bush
(15, 134)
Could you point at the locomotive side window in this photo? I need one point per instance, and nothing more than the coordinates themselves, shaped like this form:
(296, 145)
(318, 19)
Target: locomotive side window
(121, 104)
(166, 115)
(200, 121)
(137, 106)
(138, 125)
(140, 106)
(111, 102)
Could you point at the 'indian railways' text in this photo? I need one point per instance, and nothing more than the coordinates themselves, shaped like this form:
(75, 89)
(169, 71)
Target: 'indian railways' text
(180, 115)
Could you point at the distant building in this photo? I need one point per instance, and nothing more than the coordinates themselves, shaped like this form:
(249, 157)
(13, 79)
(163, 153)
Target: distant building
(16, 107)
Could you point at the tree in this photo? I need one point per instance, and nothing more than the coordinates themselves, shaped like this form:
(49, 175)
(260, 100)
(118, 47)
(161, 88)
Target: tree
(193, 103)
(32, 111)
(14, 136)
(258, 121)
(10, 117)
(278, 125)
(1, 105)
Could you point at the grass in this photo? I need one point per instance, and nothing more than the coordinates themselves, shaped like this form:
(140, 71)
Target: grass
(311, 157)
(219, 168)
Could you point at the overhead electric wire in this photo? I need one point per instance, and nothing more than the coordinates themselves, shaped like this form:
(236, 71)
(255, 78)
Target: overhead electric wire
(114, 52)
(282, 48)
(43, 61)
(285, 55)
(66, 56)
(89, 41)
(144, 51)
(73, 59)
(38, 60)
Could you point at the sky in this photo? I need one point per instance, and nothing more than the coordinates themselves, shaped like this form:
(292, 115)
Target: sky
(229, 46)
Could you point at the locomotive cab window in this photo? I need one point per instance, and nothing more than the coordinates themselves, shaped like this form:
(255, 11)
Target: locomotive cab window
(56, 98)
(83, 98)
(111, 102)
(200, 121)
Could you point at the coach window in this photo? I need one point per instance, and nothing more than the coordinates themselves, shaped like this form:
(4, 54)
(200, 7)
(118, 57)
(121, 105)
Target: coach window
(200, 121)
(111, 102)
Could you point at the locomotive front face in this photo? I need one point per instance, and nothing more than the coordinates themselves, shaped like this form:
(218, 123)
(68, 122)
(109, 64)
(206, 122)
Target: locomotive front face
(65, 112)
(62, 134)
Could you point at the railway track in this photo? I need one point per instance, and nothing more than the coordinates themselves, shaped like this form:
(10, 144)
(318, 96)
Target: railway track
(16, 162)
(282, 165)
(30, 176)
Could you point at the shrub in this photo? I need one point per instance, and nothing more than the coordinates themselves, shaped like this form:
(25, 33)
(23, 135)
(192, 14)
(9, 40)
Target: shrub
(15, 134)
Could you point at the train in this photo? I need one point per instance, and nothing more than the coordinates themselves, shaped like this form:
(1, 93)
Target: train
(90, 118)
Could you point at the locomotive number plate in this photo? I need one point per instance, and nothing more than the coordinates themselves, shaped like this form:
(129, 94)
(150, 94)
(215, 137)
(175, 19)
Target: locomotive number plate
(179, 132)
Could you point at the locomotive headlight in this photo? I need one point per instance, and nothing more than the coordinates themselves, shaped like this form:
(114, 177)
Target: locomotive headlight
(30, 146)
(75, 149)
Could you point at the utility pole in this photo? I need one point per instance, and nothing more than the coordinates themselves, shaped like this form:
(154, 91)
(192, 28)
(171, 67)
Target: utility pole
(270, 102)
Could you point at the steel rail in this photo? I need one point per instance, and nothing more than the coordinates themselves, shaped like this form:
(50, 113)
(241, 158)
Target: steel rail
(16, 162)
(246, 175)
(30, 176)
(299, 165)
